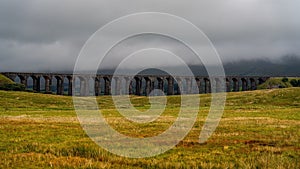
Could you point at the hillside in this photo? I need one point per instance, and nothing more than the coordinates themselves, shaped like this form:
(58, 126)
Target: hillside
(4, 80)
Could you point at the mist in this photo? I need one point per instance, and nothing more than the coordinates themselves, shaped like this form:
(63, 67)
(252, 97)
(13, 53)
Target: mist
(47, 36)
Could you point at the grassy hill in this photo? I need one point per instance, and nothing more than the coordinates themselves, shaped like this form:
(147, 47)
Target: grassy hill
(4, 80)
(277, 82)
(259, 129)
(7, 84)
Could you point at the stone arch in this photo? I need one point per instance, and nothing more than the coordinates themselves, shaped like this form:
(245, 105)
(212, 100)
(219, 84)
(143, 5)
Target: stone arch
(76, 86)
(17, 79)
(41, 81)
(29, 83)
(90, 86)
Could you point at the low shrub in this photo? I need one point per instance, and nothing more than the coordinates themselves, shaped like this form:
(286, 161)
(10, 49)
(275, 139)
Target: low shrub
(13, 87)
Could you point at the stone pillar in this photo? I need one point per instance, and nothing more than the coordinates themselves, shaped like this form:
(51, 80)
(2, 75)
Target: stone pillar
(244, 85)
(253, 84)
(198, 81)
(170, 86)
(236, 86)
(148, 86)
(70, 86)
(180, 87)
(47, 84)
(60, 86)
(34, 83)
(107, 86)
(160, 84)
(128, 86)
(23, 80)
(118, 86)
(188, 85)
(207, 87)
(138, 87)
(97, 86)
(228, 88)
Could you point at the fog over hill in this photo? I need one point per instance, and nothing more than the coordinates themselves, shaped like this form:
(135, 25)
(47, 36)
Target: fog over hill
(252, 37)
(285, 66)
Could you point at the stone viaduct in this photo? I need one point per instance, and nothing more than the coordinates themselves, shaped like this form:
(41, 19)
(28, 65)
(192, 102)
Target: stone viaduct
(81, 84)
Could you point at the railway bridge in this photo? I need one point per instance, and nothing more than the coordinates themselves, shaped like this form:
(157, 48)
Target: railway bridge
(86, 84)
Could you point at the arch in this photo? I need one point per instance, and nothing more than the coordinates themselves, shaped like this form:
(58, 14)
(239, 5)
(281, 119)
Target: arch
(42, 87)
(53, 85)
(29, 83)
(76, 86)
(17, 79)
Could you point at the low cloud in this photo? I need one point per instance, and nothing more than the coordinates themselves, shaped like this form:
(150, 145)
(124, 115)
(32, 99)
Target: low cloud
(48, 35)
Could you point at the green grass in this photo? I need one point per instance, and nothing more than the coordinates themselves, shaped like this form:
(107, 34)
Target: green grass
(259, 129)
(4, 80)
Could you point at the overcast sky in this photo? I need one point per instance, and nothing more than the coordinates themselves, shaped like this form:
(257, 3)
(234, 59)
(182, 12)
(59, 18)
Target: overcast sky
(47, 35)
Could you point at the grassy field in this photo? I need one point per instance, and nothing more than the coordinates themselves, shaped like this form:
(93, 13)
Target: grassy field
(259, 129)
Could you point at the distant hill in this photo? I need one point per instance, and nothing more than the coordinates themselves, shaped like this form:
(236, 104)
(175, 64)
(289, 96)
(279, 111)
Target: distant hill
(286, 66)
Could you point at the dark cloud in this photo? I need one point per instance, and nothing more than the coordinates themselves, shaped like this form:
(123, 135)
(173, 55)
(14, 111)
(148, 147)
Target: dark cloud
(48, 35)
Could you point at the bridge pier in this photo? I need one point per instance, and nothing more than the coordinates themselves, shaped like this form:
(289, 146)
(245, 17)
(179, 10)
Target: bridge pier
(47, 84)
(97, 86)
(148, 86)
(107, 86)
(59, 85)
(252, 84)
(170, 86)
(207, 87)
(70, 85)
(188, 85)
(138, 86)
(244, 84)
(179, 86)
(236, 86)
